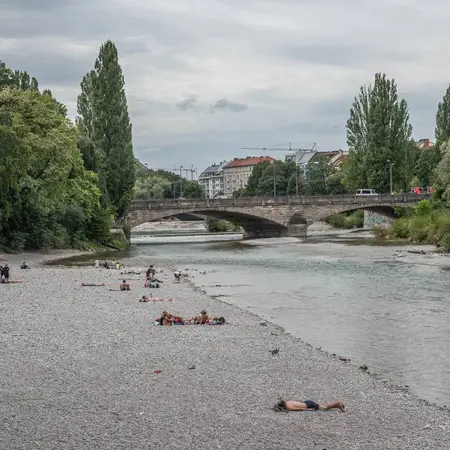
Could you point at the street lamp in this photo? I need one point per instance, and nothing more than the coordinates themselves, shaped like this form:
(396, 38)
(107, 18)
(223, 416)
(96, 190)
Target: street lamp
(296, 178)
(274, 182)
(181, 183)
(390, 175)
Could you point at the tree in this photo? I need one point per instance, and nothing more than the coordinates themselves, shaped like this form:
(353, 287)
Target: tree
(192, 189)
(378, 131)
(103, 118)
(316, 176)
(442, 172)
(47, 197)
(253, 180)
(442, 130)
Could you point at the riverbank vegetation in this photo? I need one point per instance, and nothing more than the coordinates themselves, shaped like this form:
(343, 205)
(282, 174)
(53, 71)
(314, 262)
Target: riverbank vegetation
(62, 184)
(429, 221)
(158, 184)
(214, 225)
(353, 219)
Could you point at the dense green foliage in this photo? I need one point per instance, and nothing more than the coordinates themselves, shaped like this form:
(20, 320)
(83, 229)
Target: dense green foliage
(214, 225)
(429, 221)
(428, 224)
(378, 131)
(61, 184)
(353, 219)
(105, 129)
(47, 198)
(159, 184)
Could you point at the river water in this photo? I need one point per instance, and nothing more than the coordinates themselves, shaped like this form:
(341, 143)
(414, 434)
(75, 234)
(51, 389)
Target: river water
(354, 301)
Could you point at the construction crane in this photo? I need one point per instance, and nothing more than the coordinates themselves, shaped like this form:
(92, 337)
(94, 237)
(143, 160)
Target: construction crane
(278, 149)
(192, 170)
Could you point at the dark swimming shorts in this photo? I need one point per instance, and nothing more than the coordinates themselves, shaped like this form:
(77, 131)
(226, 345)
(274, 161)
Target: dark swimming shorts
(311, 405)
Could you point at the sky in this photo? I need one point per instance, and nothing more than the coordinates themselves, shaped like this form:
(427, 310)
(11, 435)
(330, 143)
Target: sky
(205, 78)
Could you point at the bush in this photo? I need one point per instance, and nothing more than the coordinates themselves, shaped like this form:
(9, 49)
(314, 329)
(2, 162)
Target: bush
(336, 220)
(419, 228)
(424, 208)
(400, 229)
(353, 219)
(439, 231)
(382, 232)
(214, 225)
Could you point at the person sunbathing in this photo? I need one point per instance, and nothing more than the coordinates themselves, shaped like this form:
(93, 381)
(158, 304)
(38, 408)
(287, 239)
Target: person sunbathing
(307, 405)
(168, 319)
(150, 298)
(125, 286)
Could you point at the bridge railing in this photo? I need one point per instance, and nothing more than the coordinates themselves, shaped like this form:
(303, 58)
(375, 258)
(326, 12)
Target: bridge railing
(269, 201)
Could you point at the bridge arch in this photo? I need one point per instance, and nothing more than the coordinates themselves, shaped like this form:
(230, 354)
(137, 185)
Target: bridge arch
(254, 226)
(383, 210)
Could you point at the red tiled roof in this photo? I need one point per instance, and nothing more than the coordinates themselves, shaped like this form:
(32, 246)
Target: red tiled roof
(244, 162)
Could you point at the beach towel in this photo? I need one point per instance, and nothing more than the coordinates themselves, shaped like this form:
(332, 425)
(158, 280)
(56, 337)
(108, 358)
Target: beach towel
(91, 284)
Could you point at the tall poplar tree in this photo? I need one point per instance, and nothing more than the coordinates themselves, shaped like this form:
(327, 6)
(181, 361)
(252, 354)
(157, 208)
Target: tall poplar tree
(442, 130)
(103, 118)
(378, 131)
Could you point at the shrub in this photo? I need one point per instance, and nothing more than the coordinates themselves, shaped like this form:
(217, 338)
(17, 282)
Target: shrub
(400, 228)
(419, 228)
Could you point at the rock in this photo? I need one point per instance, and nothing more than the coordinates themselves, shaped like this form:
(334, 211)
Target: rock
(192, 367)
(427, 427)
(343, 359)
(363, 367)
(263, 324)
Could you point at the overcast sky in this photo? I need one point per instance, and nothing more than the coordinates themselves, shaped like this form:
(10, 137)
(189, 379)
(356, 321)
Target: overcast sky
(207, 77)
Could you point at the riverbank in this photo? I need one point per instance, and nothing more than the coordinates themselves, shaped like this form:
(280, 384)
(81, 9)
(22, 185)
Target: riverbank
(78, 366)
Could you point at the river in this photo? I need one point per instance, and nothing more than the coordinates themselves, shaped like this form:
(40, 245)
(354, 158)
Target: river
(354, 301)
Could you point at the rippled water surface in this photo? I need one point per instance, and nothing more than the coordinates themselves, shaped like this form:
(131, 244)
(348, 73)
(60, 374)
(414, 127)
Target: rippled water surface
(350, 300)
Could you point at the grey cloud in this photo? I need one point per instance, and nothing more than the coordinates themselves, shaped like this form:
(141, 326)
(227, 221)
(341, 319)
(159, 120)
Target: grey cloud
(49, 69)
(232, 106)
(161, 46)
(188, 103)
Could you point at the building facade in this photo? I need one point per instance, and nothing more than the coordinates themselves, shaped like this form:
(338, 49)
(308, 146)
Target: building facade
(237, 172)
(212, 180)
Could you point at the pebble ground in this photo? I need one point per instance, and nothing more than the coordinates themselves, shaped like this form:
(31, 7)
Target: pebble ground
(77, 371)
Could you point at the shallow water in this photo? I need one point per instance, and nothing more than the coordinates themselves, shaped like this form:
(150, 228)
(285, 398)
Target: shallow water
(354, 301)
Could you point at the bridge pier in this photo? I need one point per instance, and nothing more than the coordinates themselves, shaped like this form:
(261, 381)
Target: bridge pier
(297, 230)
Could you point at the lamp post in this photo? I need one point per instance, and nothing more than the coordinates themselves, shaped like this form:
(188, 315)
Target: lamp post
(181, 183)
(296, 178)
(390, 175)
(274, 181)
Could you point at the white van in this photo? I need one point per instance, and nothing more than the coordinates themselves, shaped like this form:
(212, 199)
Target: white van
(365, 192)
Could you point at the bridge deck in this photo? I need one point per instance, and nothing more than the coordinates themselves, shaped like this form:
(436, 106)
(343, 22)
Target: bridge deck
(278, 201)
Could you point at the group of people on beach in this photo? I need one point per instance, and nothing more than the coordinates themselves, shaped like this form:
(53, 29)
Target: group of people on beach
(167, 319)
(114, 265)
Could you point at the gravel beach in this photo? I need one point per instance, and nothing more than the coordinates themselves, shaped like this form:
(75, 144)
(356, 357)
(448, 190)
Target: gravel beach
(77, 371)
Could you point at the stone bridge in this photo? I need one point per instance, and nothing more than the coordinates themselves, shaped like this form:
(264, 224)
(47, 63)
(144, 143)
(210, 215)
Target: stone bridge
(269, 216)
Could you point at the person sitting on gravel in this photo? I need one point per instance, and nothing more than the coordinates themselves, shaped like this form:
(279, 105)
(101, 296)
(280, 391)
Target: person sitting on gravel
(125, 286)
(202, 319)
(24, 265)
(177, 276)
(4, 274)
(307, 405)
